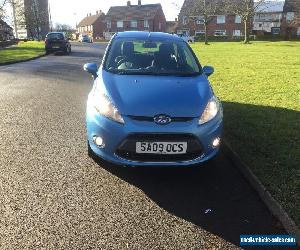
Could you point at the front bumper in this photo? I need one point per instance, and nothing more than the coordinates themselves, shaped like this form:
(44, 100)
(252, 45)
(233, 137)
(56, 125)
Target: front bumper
(114, 135)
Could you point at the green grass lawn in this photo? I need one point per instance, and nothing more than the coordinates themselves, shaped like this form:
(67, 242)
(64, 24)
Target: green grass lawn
(22, 51)
(259, 85)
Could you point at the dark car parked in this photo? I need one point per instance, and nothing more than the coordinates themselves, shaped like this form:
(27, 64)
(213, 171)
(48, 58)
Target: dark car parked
(57, 41)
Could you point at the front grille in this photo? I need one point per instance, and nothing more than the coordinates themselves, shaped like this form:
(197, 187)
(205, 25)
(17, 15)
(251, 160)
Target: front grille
(151, 119)
(127, 149)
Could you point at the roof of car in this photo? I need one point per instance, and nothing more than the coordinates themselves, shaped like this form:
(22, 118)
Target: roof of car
(148, 35)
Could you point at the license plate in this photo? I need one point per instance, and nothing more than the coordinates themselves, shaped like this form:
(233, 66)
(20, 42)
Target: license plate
(55, 47)
(161, 148)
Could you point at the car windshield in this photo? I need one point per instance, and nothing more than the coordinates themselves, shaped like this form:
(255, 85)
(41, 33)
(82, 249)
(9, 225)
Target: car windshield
(55, 36)
(150, 57)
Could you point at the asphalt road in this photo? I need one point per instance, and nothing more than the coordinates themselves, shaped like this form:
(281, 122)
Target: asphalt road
(52, 196)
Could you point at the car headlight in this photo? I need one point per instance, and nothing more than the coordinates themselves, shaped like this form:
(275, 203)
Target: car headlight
(211, 110)
(104, 106)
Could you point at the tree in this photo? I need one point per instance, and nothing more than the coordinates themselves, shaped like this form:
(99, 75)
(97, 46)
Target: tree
(30, 17)
(3, 4)
(65, 28)
(246, 9)
(208, 10)
(205, 11)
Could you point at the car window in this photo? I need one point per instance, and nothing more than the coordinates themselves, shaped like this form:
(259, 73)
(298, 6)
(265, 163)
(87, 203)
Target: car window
(133, 56)
(55, 36)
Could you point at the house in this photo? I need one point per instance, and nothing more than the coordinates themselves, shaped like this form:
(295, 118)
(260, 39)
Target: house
(268, 18)
(6, 32)
(147, 17)
(172, 26)
(291, 19)
(92, 25)
(220, 23)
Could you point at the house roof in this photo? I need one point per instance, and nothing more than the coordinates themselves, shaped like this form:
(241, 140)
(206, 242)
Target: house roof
(195, 7)
(172, 26)
(5, 24)
(271, 6)
(137, 12)
(90, 20)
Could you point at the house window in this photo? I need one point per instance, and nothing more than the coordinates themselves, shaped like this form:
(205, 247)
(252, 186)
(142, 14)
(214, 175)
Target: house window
(220, 32)
(200, 21)
(199, 32)
(184, 20)
(238, 19)
(236, 33)
(275, 31)
(119, 24)
(146, 24)
(221, 19)
(290, 16)
(108, 24)
(298, 31)
(133, 23)
(159, 26)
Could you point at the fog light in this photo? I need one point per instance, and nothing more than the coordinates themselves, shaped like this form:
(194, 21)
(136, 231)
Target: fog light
(216, 142)
(98, 141)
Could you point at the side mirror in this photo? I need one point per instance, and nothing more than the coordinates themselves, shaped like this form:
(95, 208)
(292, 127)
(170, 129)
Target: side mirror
(208, 70)
(91, 68)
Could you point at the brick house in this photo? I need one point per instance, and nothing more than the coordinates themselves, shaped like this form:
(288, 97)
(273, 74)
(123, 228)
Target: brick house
(6, 32)
(148, 17)
(291, 19)
(92, 25)
(268, 18)
(220, 24)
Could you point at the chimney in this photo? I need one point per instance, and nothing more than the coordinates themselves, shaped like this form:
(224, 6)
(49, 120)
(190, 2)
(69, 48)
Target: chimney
(97, 12)
(128, 3)
(90, 14)
(176, 20)
(139, 2)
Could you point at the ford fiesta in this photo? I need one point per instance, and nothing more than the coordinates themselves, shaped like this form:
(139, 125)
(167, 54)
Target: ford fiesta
(152, 104)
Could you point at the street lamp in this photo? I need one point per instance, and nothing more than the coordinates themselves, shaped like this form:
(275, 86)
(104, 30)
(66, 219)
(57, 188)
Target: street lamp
(75, 14)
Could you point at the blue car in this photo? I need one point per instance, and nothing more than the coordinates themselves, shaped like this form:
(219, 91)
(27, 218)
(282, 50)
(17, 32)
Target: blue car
(152, 104)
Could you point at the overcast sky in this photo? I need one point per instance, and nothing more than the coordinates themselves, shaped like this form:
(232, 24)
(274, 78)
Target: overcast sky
(63, 11)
